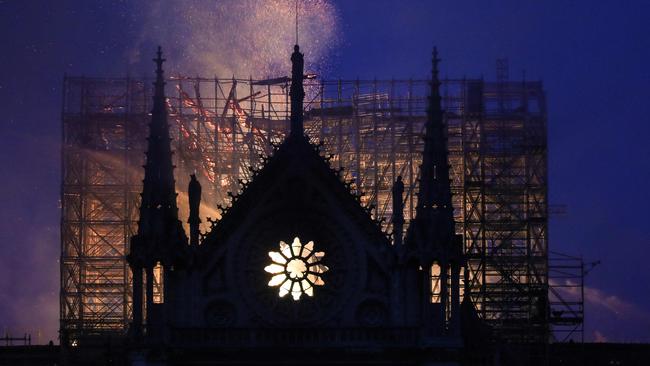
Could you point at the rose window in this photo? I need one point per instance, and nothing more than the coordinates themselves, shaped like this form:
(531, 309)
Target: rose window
(296, 269)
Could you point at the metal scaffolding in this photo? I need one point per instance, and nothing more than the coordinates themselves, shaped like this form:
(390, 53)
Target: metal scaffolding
(373, 129)
(566, 296)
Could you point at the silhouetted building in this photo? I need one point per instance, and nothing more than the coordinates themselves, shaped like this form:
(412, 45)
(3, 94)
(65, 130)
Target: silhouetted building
(296, 271)
(374, 129)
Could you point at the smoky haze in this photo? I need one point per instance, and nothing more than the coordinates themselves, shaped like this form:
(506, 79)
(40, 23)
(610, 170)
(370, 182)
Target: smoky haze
(235, 38)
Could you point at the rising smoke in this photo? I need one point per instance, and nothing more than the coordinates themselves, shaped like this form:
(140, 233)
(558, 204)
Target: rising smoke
(236, 37)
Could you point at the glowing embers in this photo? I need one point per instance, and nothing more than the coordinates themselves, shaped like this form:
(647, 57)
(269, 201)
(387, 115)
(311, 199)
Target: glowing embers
(296, 269)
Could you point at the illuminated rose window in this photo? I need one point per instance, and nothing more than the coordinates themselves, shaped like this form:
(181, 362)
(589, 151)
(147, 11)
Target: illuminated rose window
(296, 269)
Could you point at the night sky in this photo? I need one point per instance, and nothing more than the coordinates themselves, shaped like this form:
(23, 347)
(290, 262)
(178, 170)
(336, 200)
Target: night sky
(592, 57)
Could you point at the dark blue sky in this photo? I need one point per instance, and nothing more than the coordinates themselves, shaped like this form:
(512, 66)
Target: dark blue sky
(592, 57)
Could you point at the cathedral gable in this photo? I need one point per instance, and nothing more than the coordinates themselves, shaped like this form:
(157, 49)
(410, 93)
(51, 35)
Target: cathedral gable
(294, 262)
(296, 196)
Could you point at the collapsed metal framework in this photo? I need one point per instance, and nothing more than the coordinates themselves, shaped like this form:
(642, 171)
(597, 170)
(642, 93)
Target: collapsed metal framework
(373, 129)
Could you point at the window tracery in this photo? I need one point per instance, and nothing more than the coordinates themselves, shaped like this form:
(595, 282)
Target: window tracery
(296, 269)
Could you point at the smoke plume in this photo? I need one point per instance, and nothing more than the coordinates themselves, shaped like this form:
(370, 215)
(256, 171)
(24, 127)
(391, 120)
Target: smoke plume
(236, 37)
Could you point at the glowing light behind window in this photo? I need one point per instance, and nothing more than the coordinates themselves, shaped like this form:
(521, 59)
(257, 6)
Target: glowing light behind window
(296, 269)
(435, 284)
(158, 284)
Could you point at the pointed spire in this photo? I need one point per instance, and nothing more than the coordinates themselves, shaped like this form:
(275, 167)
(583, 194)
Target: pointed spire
(435, 190)
(160, 239)
(160, 80)
(433, 224)
(158, 191)
(297, 92)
